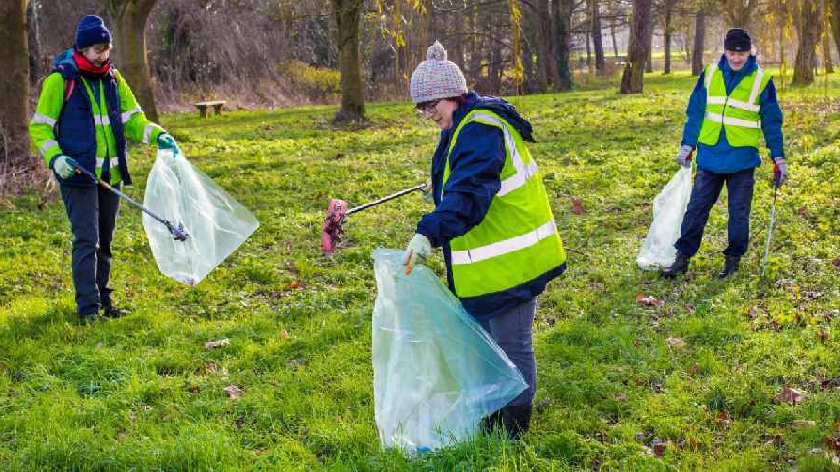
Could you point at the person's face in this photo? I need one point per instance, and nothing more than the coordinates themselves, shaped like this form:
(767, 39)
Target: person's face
(737, 59)
(439, 111)
(96, 55)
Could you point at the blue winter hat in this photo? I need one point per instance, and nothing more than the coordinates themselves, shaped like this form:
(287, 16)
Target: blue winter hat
(91, 31)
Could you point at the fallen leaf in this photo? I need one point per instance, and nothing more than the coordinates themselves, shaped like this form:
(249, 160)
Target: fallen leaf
(823, 335)
(689, 308)
(837, 263)
(215, 344)
(753, 312)
(832, 443)
(723, 418)
(543, 405)
(194, 389)
(577, 206)
(649, 301)
(659, 449)
(211, 368)
(789, 395)
(233, 392)
(284, 334)
(621, 396)
(675, 342)
(804, 423)
(295, 284)
(802, 211)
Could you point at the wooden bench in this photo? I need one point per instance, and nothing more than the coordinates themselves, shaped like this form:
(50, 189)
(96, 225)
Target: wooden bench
(216, 104)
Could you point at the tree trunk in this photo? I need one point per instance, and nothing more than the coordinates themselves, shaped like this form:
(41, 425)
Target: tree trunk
(632, 81)
(649, 59)
(699, 42)
(615, 43)
(347, 14)
(669, 29)
(828, 13)
(597, 40)
(809, 25)
(548, 75)
(14, 86)
(130, 43)
(835, 21)
(829, 65)
(562, 21)
(588, 54)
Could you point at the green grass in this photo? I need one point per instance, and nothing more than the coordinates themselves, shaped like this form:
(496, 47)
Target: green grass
(142, 392)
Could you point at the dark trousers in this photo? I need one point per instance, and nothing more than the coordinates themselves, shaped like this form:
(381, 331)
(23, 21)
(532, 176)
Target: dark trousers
(513, 332)
(707, 186)
(93, 216)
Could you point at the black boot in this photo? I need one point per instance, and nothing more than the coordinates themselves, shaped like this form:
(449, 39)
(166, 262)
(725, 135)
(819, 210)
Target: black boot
(517, 419)
(110, 311)
(680, 266)
(729, 267)
(492, 422)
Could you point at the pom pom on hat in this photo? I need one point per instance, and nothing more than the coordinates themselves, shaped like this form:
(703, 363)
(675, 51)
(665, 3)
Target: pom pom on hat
(437, 77)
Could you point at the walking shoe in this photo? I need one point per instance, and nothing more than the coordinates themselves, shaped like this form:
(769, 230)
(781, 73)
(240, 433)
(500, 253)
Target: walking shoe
(111, 311)
(680, 266)
(730, 266)
(517, 419)
(88, 318)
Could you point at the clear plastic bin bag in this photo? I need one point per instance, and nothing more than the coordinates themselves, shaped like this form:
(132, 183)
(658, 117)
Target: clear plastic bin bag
(668, 211)
(436, 372)
(216, 223)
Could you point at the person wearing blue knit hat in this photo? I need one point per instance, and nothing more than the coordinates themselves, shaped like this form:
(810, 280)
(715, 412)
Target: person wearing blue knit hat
(85, 115)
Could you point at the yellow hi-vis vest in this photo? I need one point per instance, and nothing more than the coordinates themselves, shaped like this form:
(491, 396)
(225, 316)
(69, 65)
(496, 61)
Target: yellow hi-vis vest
(737, 113)
(517, 240)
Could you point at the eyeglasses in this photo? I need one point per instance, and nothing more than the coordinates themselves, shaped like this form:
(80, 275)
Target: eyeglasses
(427, 108)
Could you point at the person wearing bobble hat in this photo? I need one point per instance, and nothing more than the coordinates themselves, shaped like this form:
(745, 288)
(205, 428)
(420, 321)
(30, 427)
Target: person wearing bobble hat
(492, 217)
(86, 112)
(732, 105)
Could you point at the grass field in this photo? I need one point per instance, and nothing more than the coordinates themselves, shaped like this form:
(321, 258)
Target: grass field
(142, 392)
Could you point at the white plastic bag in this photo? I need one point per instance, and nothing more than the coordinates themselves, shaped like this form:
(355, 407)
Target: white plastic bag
(216, 223)
(436, 372)
(668, 211)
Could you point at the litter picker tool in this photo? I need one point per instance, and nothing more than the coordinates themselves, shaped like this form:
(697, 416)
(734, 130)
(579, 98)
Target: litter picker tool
(177, 231)
(777, 182)
(337, 213)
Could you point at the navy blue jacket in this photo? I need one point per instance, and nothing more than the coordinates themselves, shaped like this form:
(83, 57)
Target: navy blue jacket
(75, 129)
(723, 158)
(475, 177)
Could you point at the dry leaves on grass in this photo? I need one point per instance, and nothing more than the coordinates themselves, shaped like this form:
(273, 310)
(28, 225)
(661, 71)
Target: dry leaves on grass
(649, 301)
(215, 344)
(675, 342)
(577, 206)
(790, 396)
(233, 392)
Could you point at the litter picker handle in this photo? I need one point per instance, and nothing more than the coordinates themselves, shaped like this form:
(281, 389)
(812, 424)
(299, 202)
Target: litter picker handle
(130, 200)
(385, 199)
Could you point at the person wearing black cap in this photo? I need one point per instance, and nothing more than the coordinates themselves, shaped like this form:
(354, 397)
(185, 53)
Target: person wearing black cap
(86, 112)
(732, 105)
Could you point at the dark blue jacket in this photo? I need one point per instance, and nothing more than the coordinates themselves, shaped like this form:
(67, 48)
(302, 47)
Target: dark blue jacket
(723, 158)
(475, 177)
(75, 129)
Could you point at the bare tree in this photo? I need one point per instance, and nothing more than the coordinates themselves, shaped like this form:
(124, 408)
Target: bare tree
(347, 15)
(699, 42)
(562, 14)
(632, 80)
(737, 12)
(14, 86)
(809, 24)
(669, 30)
(597, 40)
(130, 30)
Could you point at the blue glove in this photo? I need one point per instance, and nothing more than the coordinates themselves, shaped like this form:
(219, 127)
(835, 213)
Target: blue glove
(166, 141)
(417, 251)
(64, 166)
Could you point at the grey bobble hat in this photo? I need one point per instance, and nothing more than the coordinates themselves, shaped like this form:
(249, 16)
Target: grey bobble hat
(436, 77)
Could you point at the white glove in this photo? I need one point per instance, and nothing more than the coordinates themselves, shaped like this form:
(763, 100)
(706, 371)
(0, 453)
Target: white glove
(684, 156)
(417, 251)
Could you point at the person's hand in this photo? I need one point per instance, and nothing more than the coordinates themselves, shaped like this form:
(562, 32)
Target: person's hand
(428, 195)
(780, 171)
(417, 251)
(684, 156)
(167, 142)
(64, 166)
